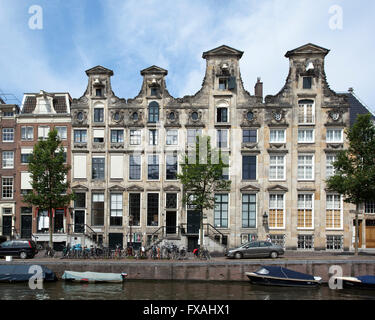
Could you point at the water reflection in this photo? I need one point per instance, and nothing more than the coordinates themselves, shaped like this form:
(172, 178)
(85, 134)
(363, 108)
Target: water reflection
(174, 290)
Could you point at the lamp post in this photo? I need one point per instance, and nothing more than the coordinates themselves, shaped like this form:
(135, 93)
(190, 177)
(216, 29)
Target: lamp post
(130, 225)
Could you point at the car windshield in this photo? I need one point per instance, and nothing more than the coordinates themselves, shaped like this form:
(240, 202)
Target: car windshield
(6, 244)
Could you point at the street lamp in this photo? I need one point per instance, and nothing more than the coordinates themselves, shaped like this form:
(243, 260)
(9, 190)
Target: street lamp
(130, 225)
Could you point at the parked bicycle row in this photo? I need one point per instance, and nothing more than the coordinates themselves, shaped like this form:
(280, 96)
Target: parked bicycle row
(155, 252)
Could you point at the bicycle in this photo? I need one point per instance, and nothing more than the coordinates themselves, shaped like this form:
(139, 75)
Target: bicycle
(49, 252)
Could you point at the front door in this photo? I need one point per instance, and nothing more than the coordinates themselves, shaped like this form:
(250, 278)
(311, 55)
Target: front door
(171, 222)
(26, 226)
(193, 221)
(370, 234)
(115, 239)
(7, 226)
(79, 221)
(192, 243)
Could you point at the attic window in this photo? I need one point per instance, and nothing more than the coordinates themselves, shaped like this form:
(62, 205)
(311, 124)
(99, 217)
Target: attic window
(223, 83)
(154, 91)
(307, 82)
(99, 92)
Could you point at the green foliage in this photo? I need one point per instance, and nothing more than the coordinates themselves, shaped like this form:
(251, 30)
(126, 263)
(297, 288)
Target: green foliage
(202, 175)
(355, 167)
(48, 172)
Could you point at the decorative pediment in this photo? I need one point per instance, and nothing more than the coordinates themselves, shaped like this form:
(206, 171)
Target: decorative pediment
(250, 187)
(154, 70)
(116, 188)
(223, 51)
(171, 188)
(307, 49)
(135, 188)
(80, 187)
(99, 70)
(277, 188)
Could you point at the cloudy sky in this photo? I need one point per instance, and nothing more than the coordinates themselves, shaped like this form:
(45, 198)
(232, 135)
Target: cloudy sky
(128, 36)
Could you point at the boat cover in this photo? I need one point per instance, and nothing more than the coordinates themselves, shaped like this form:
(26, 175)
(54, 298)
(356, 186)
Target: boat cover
(20, 272)
(280, 272)
(367, 279)
(93, 276)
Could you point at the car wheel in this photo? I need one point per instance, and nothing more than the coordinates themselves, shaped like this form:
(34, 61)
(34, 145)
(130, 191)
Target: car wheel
(274, 255)
(23, 255)
(238, 255)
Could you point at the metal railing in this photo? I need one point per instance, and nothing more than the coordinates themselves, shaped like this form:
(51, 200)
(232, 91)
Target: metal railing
(90, 234)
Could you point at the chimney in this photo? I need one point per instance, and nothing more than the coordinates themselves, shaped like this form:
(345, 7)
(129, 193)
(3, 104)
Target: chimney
(258, 88)
(351, 90)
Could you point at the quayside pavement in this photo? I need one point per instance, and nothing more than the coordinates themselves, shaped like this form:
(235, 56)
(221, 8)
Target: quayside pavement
(215, 269)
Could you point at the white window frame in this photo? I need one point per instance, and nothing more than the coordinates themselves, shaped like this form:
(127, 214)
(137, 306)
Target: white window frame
(135, 134)
(6, 132)
(227, 138)
(341, 210)
(305, 112)
(5, 159)
(150, 137)
(256, 210)
(329, 165)
(305, 208)
(333, 139)
(277, 166)
(43, 129)
(140, 156)
(275, 135)
(27, 136)
(2, 187)
(148, 159)
(272, 208)
(304, 165)
(304, 140)
(198, 132)
(62, 137)
(174, 137)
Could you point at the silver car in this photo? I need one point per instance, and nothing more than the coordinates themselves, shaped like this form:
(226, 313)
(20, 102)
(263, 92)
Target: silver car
(256, 249)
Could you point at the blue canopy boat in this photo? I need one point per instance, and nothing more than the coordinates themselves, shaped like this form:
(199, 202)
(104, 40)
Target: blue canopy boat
(361, 282)
(93, 276)
(279, 276)
(20, 273)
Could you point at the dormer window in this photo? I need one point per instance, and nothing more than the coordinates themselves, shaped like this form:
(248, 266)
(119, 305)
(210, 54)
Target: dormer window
(223, 83)
(99, 92)
(307, 82)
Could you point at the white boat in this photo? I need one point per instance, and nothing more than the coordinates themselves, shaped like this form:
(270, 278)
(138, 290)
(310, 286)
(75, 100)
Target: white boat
(93, 277)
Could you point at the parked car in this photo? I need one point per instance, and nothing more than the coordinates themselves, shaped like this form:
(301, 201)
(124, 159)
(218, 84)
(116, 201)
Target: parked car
(256, 249)
(18, 248)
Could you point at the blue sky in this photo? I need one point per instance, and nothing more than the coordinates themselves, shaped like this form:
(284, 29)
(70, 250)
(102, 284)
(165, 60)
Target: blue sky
(128, 36)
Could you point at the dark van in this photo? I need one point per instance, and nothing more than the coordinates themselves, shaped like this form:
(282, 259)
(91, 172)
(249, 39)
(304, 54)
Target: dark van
(18, 248)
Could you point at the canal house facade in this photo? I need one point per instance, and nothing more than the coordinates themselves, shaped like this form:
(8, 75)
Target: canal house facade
(125, 156)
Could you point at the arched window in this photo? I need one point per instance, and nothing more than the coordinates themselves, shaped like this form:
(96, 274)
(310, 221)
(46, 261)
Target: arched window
(153, 112)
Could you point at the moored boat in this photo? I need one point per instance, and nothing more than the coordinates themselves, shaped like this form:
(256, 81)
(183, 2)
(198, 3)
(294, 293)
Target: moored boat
(93, 277)
(23, 273)
(360, 282)
(279, 276)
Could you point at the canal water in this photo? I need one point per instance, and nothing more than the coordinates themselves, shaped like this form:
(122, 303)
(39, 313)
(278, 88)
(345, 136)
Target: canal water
(174, 290)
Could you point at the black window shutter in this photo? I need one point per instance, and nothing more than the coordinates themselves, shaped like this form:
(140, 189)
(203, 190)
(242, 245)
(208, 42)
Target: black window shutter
(232, 83)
